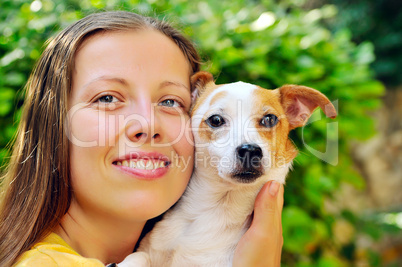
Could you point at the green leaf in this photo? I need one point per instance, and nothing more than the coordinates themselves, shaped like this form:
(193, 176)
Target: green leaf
(297, 229)
(6, 101)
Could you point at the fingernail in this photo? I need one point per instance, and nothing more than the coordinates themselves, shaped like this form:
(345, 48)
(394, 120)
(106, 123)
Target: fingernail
(273, 188)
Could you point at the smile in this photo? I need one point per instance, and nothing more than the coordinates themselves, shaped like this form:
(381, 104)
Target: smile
(143, 164)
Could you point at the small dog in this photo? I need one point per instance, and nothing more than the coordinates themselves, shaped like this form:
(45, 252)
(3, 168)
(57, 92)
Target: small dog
(241, 142)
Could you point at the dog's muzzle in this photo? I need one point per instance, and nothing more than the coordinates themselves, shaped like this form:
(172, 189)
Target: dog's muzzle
(249, 163)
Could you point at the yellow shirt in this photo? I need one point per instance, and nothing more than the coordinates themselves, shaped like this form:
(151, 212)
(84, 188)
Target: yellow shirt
(54, 251)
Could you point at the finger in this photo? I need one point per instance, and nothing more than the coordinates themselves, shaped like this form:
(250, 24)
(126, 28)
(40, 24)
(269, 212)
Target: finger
(280, 198)
(266, 204)
(280, 208)
(279, 202)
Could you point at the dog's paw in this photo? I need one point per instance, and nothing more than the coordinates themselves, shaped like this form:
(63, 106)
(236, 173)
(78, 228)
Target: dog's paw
(137, 259)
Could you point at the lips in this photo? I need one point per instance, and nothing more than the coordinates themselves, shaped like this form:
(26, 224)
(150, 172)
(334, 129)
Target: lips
(143, 165)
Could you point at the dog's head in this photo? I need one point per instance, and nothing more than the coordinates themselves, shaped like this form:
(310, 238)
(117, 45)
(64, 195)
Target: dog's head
(241, 130)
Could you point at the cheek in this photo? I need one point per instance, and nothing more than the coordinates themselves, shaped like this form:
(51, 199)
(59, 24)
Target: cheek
(277, 144)
(89, 128)
(85, 168)
(204, 133)
(204, 136)
(179, 135)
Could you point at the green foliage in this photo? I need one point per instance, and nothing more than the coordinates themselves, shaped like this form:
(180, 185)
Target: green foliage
(380, 22)
(269, 43)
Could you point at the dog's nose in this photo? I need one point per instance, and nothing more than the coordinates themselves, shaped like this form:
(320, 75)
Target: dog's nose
(249, 154)
(249, 163)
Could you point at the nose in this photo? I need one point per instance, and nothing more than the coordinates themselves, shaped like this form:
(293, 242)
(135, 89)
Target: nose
(250, 155)
(143, 136)
(143, 126)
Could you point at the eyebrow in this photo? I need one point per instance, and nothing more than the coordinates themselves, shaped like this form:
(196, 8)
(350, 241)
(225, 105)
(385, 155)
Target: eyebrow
(177, 84)
(107, 78)
(124, 82)
(104, 78)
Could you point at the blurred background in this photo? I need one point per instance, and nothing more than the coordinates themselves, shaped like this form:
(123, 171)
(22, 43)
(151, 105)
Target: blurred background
(343, 200)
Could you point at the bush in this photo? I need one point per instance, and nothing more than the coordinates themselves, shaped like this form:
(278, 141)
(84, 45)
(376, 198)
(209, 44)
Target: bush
(380, 22)
(269, 43)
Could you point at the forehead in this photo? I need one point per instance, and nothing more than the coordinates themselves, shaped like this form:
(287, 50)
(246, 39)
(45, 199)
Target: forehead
(240, 96)
(143, 47)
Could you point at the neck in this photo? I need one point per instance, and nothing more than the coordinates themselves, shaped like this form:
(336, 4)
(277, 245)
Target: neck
(108, 240)
(234, 201)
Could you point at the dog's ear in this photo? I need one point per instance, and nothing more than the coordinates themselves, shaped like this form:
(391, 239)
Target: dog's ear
(198, 83)
(300, 101)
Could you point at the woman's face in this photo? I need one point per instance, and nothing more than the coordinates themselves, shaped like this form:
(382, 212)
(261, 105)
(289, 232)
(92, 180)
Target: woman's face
(131, 145)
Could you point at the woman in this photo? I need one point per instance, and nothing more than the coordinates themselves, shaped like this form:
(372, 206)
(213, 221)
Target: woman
(104, 145)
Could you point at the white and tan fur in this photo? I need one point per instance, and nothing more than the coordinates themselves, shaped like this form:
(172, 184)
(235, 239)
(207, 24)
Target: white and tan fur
(204, 227)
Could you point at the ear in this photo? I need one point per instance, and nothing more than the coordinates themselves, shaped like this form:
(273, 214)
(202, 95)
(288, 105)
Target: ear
(198, 83)
(300, 101)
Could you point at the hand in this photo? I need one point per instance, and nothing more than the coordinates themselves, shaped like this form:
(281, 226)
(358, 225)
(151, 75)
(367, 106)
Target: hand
(262, 244)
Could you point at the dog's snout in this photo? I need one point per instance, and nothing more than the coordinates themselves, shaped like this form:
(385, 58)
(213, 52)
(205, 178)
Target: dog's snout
(248, 152)
(249, 163)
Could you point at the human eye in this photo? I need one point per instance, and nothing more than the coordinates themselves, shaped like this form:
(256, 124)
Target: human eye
(106, 99)
(172, 103)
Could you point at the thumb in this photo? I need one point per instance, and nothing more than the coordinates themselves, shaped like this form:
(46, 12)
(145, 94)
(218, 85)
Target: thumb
(262, 244)
(268, 204)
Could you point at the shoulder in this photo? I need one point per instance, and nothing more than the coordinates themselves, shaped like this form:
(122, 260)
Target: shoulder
(54, 251)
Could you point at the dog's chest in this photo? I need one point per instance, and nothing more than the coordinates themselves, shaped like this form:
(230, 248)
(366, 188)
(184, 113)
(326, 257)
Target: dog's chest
(209, 241)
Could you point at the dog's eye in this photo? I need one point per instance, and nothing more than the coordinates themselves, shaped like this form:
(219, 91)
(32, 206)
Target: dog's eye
(269, 120)
(215, 121)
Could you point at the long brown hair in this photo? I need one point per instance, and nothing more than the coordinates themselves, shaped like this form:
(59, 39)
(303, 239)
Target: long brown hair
(36, 189)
